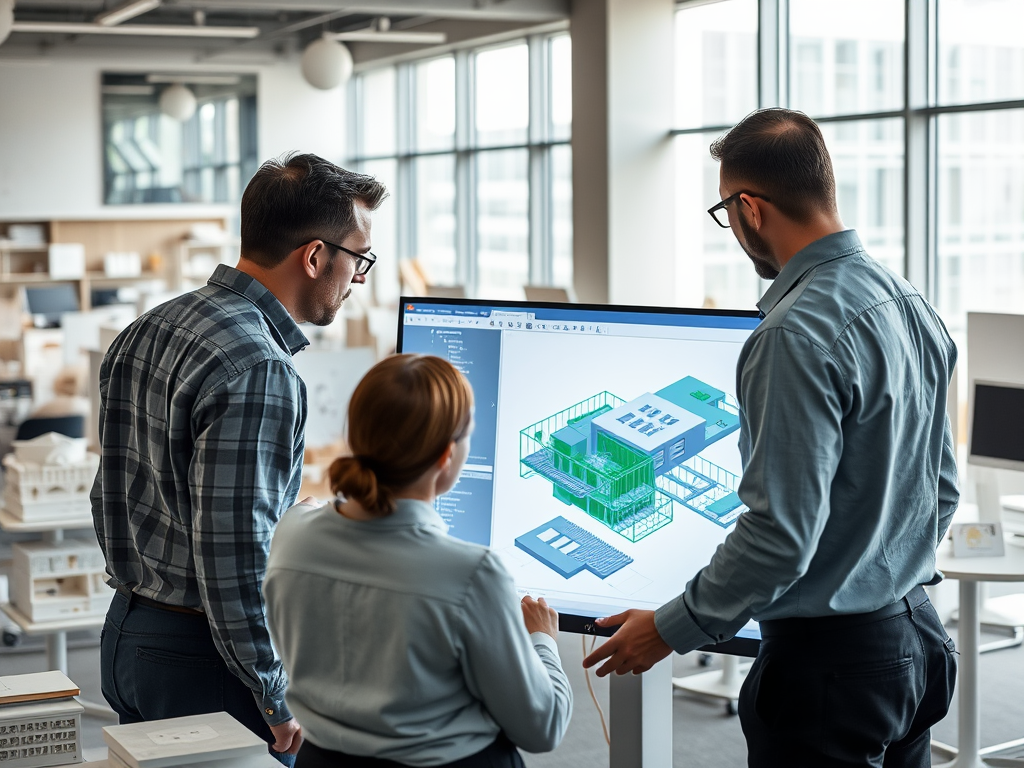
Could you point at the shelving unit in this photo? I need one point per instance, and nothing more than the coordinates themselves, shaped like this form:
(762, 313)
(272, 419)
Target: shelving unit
(165, 246)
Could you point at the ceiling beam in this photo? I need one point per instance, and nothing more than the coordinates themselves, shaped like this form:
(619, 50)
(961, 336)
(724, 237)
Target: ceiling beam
(491, 10)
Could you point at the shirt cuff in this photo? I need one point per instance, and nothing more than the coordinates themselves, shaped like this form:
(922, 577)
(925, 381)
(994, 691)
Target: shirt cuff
(546, 640)
(273, 708)
(678, 628)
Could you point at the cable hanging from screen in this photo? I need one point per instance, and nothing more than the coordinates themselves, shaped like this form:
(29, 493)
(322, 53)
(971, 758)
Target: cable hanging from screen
(590, 687)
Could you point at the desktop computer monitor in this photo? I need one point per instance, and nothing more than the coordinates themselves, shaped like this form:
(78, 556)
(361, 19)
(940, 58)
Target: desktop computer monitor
(605, 461)
(996, 441)
(48, 303)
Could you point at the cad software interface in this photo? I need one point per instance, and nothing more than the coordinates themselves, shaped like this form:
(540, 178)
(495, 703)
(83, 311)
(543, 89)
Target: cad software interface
(605, 461)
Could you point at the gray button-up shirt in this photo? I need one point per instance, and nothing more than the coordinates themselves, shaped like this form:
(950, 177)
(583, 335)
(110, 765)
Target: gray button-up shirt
(404, 643)
(849, 467)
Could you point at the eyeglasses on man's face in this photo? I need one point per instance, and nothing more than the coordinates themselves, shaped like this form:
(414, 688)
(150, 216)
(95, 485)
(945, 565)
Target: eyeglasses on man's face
(363, 260)
(721, 215)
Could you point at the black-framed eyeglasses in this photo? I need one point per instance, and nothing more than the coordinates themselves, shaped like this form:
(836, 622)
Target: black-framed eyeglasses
(364, 261)
(721, 216)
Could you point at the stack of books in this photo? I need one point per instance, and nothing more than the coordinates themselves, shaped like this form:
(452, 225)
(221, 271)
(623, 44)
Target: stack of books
(214, 740)
(40, 722)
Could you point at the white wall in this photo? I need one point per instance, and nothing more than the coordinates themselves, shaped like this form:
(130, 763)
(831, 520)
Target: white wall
(51, 130)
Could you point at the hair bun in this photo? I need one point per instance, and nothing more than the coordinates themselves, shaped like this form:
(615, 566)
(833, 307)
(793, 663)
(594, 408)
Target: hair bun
(354, 478)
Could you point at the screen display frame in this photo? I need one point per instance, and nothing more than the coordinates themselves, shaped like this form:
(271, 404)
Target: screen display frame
(979, 459)
(743, 644)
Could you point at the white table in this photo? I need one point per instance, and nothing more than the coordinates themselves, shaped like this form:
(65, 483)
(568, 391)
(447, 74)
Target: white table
(970, 572)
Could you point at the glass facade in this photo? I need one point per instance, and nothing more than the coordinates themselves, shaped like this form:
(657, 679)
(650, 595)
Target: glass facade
(488, 132)
(844, 64)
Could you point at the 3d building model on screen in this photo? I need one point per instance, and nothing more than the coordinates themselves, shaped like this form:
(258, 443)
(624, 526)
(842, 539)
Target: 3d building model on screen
(627, 465)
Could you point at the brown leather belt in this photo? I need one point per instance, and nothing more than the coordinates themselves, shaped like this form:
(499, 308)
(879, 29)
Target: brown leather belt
(150, 603)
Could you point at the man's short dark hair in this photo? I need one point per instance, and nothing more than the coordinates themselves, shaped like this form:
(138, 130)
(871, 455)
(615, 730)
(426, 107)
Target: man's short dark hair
(781, 154)
(299, 198)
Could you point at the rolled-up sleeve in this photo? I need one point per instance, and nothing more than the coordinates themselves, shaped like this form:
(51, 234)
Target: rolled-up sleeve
(244, 473)
(517, 676)
(791, 413)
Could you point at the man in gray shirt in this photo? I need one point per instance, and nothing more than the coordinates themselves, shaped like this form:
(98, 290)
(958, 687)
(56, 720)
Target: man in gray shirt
(849, 477)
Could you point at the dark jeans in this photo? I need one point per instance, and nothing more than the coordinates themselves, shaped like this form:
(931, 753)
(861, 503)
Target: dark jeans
(500, 754)
(839, 692)
(156, 664)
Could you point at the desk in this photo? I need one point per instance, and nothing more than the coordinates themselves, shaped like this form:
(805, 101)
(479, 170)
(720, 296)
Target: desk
(970, 571)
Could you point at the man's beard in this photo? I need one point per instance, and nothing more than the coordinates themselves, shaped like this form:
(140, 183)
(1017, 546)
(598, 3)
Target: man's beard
(758, 251)
(322, 304)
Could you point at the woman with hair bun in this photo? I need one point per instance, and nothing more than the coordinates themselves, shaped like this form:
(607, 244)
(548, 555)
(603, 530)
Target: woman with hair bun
(403, 645)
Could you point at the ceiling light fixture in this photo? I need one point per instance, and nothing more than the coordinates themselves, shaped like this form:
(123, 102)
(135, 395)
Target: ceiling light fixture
(195, 79)
(129, 10)
(380, 32)
(145, 30)
(326, 64)
(6, 18)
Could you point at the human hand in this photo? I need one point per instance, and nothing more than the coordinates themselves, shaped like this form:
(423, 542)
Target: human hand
(539, 616)
(635, 647)
(288, 737)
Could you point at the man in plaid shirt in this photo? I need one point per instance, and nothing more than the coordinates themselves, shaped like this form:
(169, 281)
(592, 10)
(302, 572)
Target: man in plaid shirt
(201, 427)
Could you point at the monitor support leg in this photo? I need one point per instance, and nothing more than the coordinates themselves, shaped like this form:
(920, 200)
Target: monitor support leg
(986, 489)
(640, 717)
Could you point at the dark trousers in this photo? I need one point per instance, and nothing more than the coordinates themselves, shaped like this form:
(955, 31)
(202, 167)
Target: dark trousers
(500, 754)
(846, 691)
(156, 663)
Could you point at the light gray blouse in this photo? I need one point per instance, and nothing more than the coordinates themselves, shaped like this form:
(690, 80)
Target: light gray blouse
(404, 643)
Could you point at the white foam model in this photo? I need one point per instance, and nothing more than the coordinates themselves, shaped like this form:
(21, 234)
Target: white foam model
(184, 741)
(49, 478)
(52, 581)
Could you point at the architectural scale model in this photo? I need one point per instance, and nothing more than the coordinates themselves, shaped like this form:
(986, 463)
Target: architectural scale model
(49, 478)
(52, 581)
(40, 722)
(628, 464)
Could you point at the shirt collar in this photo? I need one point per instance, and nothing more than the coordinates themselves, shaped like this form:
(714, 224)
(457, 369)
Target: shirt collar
(409, 513)
(826, 249)
(285, 329)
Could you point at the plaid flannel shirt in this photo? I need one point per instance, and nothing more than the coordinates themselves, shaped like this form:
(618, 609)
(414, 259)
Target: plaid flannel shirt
(201, 425)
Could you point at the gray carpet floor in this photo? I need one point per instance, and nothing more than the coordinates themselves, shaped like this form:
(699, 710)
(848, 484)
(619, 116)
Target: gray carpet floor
(704, 734)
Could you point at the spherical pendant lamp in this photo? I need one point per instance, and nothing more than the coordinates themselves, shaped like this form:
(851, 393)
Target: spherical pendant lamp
(178, 102)
(326, 64)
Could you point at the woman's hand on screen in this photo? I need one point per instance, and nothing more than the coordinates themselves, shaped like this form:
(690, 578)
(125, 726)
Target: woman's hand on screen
(539, 616)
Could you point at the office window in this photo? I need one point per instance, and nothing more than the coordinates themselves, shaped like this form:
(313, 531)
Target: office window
(713, 271)
(867, 156)
(465, 171)
(503, 226)
(502, 95)
(980, 246)
(383, 278)
(843, 64)
(846, 58)
(378, 99)
(435, 217)
(435, 104)
(561, 86)
(150, 157)
(716, 63)
(981, 51)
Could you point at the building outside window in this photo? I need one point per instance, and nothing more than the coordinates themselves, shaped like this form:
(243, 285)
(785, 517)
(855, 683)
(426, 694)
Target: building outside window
(474, 146)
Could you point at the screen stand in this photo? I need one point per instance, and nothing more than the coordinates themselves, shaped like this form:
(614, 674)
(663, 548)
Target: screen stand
(640, 718)
(986, 489)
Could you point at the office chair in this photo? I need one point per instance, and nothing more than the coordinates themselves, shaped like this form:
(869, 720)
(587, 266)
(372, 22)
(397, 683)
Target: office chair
(72, 425)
